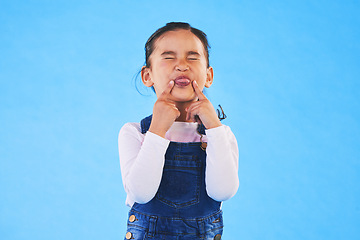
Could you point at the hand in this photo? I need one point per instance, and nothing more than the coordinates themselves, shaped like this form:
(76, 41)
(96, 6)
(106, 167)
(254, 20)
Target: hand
(164, 112)
(202, 111)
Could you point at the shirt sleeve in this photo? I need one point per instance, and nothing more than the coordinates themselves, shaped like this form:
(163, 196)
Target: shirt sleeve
(221, 176)
(141, 161)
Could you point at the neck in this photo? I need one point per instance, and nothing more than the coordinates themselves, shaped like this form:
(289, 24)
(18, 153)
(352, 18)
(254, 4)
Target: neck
(181, 106)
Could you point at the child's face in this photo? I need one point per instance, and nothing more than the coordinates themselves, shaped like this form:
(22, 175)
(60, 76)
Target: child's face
(180, 56)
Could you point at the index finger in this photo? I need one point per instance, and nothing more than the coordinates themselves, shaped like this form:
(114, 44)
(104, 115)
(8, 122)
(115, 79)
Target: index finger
(167, 90)
(198, 92)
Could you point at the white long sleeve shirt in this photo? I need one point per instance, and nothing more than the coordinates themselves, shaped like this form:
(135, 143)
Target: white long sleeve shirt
(142, 158)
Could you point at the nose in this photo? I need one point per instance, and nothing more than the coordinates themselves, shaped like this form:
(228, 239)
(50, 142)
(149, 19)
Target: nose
(182, 66)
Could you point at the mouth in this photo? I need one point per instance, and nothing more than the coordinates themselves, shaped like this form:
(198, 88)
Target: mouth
(182, 81)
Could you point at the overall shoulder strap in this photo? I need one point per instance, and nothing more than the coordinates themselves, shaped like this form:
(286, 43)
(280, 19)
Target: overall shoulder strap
(145, 124)
(201, 129)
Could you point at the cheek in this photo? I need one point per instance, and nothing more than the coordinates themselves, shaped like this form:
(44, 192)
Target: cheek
(202, 74)
(164, 67)
(161, 69)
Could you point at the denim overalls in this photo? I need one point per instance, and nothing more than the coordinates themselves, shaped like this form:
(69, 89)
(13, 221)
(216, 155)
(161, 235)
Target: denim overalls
(181, 209)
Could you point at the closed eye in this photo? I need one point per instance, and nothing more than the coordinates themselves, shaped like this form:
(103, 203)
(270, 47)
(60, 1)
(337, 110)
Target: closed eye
(168, 55)
(193, 56)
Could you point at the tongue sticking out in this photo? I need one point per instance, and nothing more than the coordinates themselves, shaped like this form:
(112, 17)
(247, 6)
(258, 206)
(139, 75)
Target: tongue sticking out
(182, 82)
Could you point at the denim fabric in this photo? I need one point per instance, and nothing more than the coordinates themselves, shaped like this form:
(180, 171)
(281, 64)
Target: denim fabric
(181, 208)
(155, 227)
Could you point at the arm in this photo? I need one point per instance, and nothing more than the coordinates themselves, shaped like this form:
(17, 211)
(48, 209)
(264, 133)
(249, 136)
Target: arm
(141, 162)
(221, 176)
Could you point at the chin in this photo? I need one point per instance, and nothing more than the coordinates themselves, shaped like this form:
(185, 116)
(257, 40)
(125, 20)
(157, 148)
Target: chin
(183, 98)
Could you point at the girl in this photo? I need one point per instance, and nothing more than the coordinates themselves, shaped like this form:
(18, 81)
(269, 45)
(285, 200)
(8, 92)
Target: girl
(179, 163)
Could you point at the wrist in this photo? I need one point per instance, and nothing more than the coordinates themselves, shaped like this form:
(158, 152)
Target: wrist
(158, 132)
(213, 125)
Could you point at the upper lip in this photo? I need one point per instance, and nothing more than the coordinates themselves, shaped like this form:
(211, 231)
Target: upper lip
(182, 77)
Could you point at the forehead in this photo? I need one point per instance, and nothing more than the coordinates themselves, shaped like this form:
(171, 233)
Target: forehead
(179, 40)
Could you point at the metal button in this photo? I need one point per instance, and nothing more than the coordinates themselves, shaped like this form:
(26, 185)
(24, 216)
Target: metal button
(217, 237)
(203, 146)
(128, 235)
(217, 220)
(132, 218)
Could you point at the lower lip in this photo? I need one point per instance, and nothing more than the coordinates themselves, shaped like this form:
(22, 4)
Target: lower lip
(182, 82)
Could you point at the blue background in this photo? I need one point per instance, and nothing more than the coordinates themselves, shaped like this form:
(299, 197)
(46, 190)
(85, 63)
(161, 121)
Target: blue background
(286, 74)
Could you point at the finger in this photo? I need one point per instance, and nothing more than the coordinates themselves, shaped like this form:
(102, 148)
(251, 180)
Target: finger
(192, 112)
(173, 107)
(190, 109)
(167, 90)
(198, 92)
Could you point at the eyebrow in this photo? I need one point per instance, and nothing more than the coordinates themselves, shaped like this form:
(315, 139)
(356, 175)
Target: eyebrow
(193, 53)
(173, 53)
(168, 53)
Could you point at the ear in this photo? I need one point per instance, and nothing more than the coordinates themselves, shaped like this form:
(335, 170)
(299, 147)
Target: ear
(209, 77)
(145, 76)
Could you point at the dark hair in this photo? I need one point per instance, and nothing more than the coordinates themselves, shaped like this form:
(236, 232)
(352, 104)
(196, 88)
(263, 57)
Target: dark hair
(173, 26)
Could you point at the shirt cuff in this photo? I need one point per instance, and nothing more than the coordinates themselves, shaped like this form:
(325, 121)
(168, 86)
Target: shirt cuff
(156, 139)
(218, 132)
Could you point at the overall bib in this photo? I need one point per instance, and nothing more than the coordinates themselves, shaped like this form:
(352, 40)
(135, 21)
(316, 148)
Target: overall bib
(181, 208)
